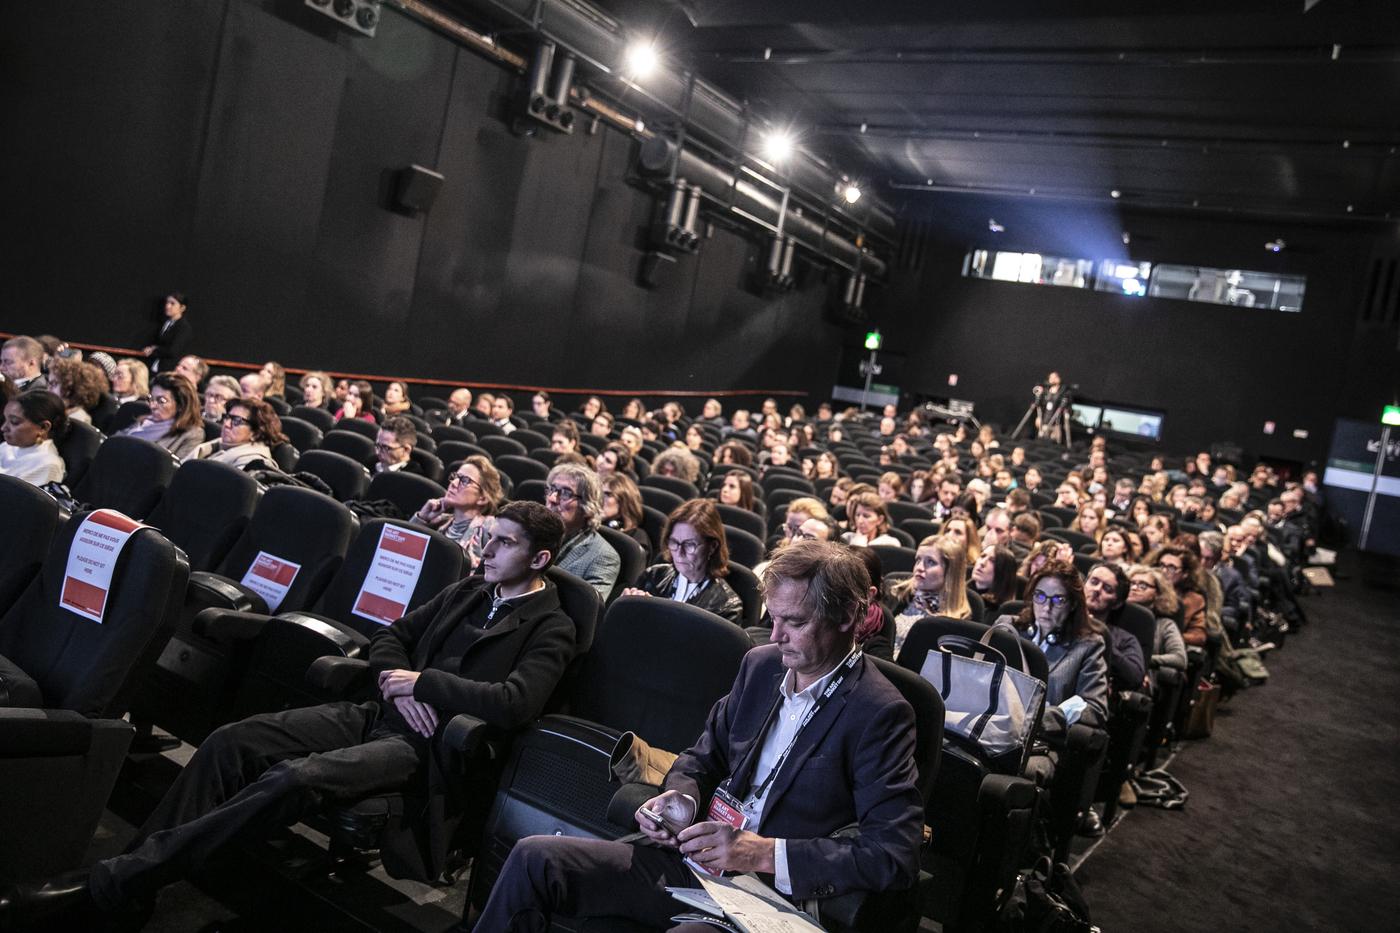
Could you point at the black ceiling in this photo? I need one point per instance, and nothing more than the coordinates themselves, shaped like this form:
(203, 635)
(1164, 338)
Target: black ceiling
(1243, 105)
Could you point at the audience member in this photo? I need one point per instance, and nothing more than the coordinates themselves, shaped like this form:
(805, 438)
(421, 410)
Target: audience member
(572, 493)
(174, 422)
(938, 587)
(193, 368)
(172, 337)
(871, 523)
(622, 510)
(695, 562)
(393, 447)
(250, 428)
(317, 389)
(217, 394)
(131, 381)
(21, 362)
(33, 420)
(466, 514)
(80, 386)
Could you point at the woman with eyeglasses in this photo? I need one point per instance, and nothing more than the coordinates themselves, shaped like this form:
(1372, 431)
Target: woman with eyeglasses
(1180, 567)
(174, 422)
(248, 431)
(466, 513)
(622, 509)
(1149, 588)
(696, 561)
(938, 586)
(1057, 620)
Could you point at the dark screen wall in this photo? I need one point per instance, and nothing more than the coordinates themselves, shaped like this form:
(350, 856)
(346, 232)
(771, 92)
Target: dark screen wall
(1219, 372)
(243, 152)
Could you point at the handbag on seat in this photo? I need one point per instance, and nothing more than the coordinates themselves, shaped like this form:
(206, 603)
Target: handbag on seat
(988, 706)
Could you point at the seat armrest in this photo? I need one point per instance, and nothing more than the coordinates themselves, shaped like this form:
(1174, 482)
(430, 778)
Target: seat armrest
(1006, 792)
(339, 676)
(1168, 677)
(50, 733)
(622, 808)
(217, 590)
(1133, 702)
(1086, 740)
(349, 643)
(228, 625)
(470, 738)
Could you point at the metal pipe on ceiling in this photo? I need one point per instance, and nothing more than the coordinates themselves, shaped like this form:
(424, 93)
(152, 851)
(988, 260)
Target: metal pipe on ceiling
(707, 112)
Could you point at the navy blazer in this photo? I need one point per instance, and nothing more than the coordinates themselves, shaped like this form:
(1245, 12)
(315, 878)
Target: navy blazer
(853, 763)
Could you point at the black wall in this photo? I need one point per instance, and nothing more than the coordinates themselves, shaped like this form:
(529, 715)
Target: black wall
(1219, 372)
(243, 152)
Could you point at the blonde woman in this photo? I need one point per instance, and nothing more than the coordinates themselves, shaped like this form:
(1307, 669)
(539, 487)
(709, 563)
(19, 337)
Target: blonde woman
(938, 586)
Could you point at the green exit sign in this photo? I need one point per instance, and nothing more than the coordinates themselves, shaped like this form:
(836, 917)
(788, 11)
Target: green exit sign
(872, 340)
(1391, 414)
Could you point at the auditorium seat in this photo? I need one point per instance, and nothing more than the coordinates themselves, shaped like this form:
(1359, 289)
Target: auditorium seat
(662, 500)
(742, 519)
(744, 548)
(66, 682)
(530, 490)
(124, 417)
(919, 528)
(408, 491)
(305, 532)
(347, 478)
(314, 416)
(776, 479)
(530, 439)
(634, 559)
(127, 474)
(500, 445)
(454, 451)
(683, 488)
(452, 432)
(745, 584)
(900, 512)
(366, 429)
(78, 448)
(206, 509)
(349, 444)
(303, 435)
(520, 468)
(31, 518)
(428, 463)
(556, 777)
(895, 559)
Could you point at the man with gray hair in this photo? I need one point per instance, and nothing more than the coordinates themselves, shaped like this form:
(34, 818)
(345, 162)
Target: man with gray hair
(812, 738)
(1234, 609)
(571, 491)
(21, 359)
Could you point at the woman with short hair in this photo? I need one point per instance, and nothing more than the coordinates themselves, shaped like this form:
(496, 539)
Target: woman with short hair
(466, 513)
(676, 462)
(248, 431)
(131, 381)
(317, 389)
(695, 562)
(174, 422)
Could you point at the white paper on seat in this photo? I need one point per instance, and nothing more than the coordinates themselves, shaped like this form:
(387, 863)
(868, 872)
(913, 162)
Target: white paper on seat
(754, 907)
(393, 575)
(87, 581)
(271, 577)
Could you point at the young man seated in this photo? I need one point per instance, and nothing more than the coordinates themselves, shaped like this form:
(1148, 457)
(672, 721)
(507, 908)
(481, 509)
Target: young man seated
(795, 766)
(494, 646)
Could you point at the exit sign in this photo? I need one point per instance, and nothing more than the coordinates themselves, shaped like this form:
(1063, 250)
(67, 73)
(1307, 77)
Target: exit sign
(1391, 415)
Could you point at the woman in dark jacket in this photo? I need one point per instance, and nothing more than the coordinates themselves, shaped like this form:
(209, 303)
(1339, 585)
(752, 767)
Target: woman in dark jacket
(696, 562)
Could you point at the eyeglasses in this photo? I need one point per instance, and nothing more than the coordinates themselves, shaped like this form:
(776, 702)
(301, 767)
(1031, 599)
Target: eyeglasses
(562, 493)
(1169, 568)
(801, 535)
(462, 479)
(685, 548)
(1041, 598)
(1143, 585)
(162, 400)
(385, 448)
(237, 421)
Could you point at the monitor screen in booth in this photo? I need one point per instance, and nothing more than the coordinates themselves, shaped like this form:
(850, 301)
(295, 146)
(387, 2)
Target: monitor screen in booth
(1351, 466)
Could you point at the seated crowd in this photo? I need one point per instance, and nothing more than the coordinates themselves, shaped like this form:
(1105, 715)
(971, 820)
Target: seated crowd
(854, 528)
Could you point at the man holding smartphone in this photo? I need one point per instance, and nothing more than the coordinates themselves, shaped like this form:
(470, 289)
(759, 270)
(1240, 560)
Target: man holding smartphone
(765, 785)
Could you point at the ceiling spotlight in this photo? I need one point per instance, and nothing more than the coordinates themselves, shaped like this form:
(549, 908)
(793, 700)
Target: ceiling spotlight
(995, 227)
(1115, 194)
(1127, 238)
(641, 60)
(778, 146)
(1276, 245)
(851, 192)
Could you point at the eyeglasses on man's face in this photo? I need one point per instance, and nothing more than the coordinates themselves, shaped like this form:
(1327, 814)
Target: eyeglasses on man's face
(562, 493)
(387, 448)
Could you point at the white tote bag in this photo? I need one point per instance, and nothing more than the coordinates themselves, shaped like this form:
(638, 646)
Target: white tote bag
(989, 704)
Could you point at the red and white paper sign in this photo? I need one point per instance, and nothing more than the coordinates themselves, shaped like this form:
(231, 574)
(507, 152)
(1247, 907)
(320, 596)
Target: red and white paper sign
(271, 577)
(91, 561)
(393, 575)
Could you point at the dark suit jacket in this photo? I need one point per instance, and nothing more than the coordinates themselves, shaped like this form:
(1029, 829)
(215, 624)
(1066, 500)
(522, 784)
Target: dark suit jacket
(854, 763)
(507, 673)
(170, 345)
